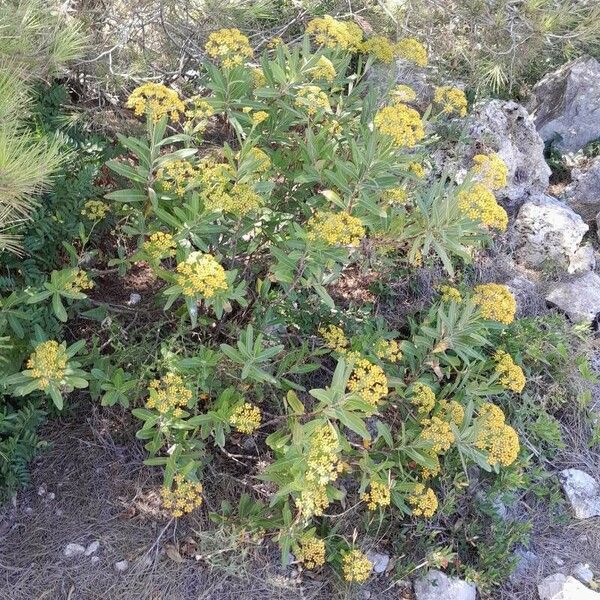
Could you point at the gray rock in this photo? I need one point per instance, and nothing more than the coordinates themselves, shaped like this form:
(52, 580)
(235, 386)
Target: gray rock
(582, 491)
(583, 260)
(92, 548)
(578, 298)
(583, 572)
(508, 129)
(134, 299)
(527, 562)
(380, 561)
(121, 566)
(583, 193)
(73, 550)
(437, 586)
(563, 587)
(566, 104)
(95, 560)
(547, 232)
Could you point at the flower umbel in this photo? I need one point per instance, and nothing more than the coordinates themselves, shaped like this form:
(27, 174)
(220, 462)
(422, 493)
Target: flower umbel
(450, 294)
(378, 495)
(356, 566)
(159, 245)
(511, 375)
(499, 440)
(423, 397)
(183, 497)
(402, 123)
(48, 364)
(331, 33)
(479, 204)
(157, 101)
(450, 100)
(168, 394)
(246, 418)
(229, 46)
(423, 501)
(490, 170)
(334, 337)
(336, 229)
(368, 381)
(201, 275)
(495, 302)
(413, 51)
(310, 551)
(95, 210)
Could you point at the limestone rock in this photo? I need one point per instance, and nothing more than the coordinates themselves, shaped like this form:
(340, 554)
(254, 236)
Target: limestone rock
(548, 232)
(578, 298)
(583, 193)
(92, 548)
(72, 550)
(582, 491)
(566, 105)
(563, 587)
(508, 129)
(583, 572)
(526, 562)
(121, 566)
(437, 585)
(380, 561)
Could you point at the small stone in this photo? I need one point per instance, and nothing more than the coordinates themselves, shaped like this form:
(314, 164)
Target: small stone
(583, 572)
(583, 193)
(582, 491)
(73, 550)
(563, 587)
(558, 561)
(380, 561)
(121, 566)
(92, 548)
(29, 510)
(437, 586)
(41, 490)
(51, 496)
(134, 299)
(527, 561)
(95, 560)
(578, 298)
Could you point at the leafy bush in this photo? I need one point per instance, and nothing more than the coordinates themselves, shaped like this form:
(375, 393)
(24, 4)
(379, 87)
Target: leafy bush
(249, 245)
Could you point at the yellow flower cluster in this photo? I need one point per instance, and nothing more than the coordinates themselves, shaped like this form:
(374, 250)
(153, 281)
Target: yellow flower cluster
(312, 98)
(201, 275)
(396, 196)
(334, 337)
(479, 203)
(324, 69)
(168, 394)
(246, 418)
(198, 109)
(438, 432)
(434, 471)
(95, 210)
(452, 411)
(499, 440)
(403, 93)
(356, 567)
(175, 175)
(259, 116)
(450, 294)
(368, 381)
(423, 397)
(323, 467)
(183, 498)
(310, 551)
(264, 162)
(336, 229)
(388, 350)
(417, 169)
(490, 170)
(511, 375)
(79, 282)
(495, 302)
(378, 495)
(240, 200)
(48, 363)
(156, 100)
(413, 51)
(229, 46)
(331, 33)
(450, 100)
(159, 245)
(423, 501)
(258, 77)
(379, 47)
(400, 122)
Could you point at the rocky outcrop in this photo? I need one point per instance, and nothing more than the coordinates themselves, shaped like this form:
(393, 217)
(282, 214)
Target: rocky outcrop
(566, 105)
(563, 587)
(508, 129)
(583, 193)
(547, 232)
(578, 298)
(582, 491)
(436, 585)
